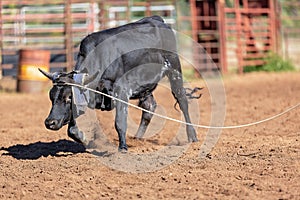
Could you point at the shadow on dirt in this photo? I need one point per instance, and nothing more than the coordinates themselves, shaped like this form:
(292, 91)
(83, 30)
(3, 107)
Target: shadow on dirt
(38, 149)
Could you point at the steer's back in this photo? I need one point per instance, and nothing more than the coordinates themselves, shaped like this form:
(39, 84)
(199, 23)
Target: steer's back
(149, 32)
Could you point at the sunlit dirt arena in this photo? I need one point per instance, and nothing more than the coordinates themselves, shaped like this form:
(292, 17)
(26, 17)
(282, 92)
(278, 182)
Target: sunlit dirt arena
(257, 162)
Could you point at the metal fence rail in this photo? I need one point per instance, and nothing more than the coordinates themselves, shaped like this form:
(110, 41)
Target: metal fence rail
(52, 25)
(59, 25)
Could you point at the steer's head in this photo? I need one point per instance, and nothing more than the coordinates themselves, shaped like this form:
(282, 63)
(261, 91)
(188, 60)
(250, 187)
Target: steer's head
(61, 98)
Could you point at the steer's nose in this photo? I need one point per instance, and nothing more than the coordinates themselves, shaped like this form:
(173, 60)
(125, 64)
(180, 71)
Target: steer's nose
(51, 124)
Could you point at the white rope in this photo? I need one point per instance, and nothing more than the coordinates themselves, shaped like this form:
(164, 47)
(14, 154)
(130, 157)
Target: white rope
(182, 122)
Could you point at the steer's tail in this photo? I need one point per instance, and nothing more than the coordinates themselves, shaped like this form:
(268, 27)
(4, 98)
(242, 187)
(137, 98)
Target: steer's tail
(172, 63)
(190, 94)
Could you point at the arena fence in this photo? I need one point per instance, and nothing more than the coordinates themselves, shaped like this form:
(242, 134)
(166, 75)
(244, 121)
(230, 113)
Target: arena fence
(235, 34)
(59, 25)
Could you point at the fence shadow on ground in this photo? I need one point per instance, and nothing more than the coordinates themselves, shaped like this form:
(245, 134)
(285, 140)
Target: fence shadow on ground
(36, 150)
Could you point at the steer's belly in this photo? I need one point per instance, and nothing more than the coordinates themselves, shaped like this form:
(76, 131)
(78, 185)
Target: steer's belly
(143, 91)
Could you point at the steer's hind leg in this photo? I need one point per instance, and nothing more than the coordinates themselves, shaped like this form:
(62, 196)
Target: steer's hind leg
(148, 103)
(178, 91)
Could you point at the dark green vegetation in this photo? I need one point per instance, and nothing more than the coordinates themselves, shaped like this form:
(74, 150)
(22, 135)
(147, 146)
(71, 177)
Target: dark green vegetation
(273, 63)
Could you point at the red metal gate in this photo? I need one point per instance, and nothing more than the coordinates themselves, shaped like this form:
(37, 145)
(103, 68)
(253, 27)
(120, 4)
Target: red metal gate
(290, 28)
(250, 30)
(207, 32)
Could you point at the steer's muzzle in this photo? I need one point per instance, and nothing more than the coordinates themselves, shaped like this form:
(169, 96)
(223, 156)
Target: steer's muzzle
(53, 124)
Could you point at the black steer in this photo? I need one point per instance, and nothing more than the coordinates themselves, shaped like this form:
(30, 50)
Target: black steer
(134, 74)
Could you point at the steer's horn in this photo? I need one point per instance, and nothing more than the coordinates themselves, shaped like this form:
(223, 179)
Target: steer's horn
(47, 74)
(89, 79)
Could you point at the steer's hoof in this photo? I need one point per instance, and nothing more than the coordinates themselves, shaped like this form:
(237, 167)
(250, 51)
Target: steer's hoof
(76, 135)
(192, 136)
(193, 139)
(123, 150)
(138, 138)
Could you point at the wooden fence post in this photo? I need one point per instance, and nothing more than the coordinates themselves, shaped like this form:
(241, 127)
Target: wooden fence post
(128, 12)
(273, 26)
(102, 15)
(92, 17)
(1, 39)
(68, 35)
(148, 10)
(222, 36)
(239, 50)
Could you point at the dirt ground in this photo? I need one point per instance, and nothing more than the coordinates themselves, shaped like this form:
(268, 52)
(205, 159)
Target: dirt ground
(257, 162)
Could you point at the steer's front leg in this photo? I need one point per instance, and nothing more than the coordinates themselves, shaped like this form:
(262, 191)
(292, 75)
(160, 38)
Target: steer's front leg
(121, 122)
(75, 133)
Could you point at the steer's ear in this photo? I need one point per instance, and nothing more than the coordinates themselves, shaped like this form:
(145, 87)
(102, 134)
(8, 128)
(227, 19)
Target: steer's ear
(47, 74)
(89, 79)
